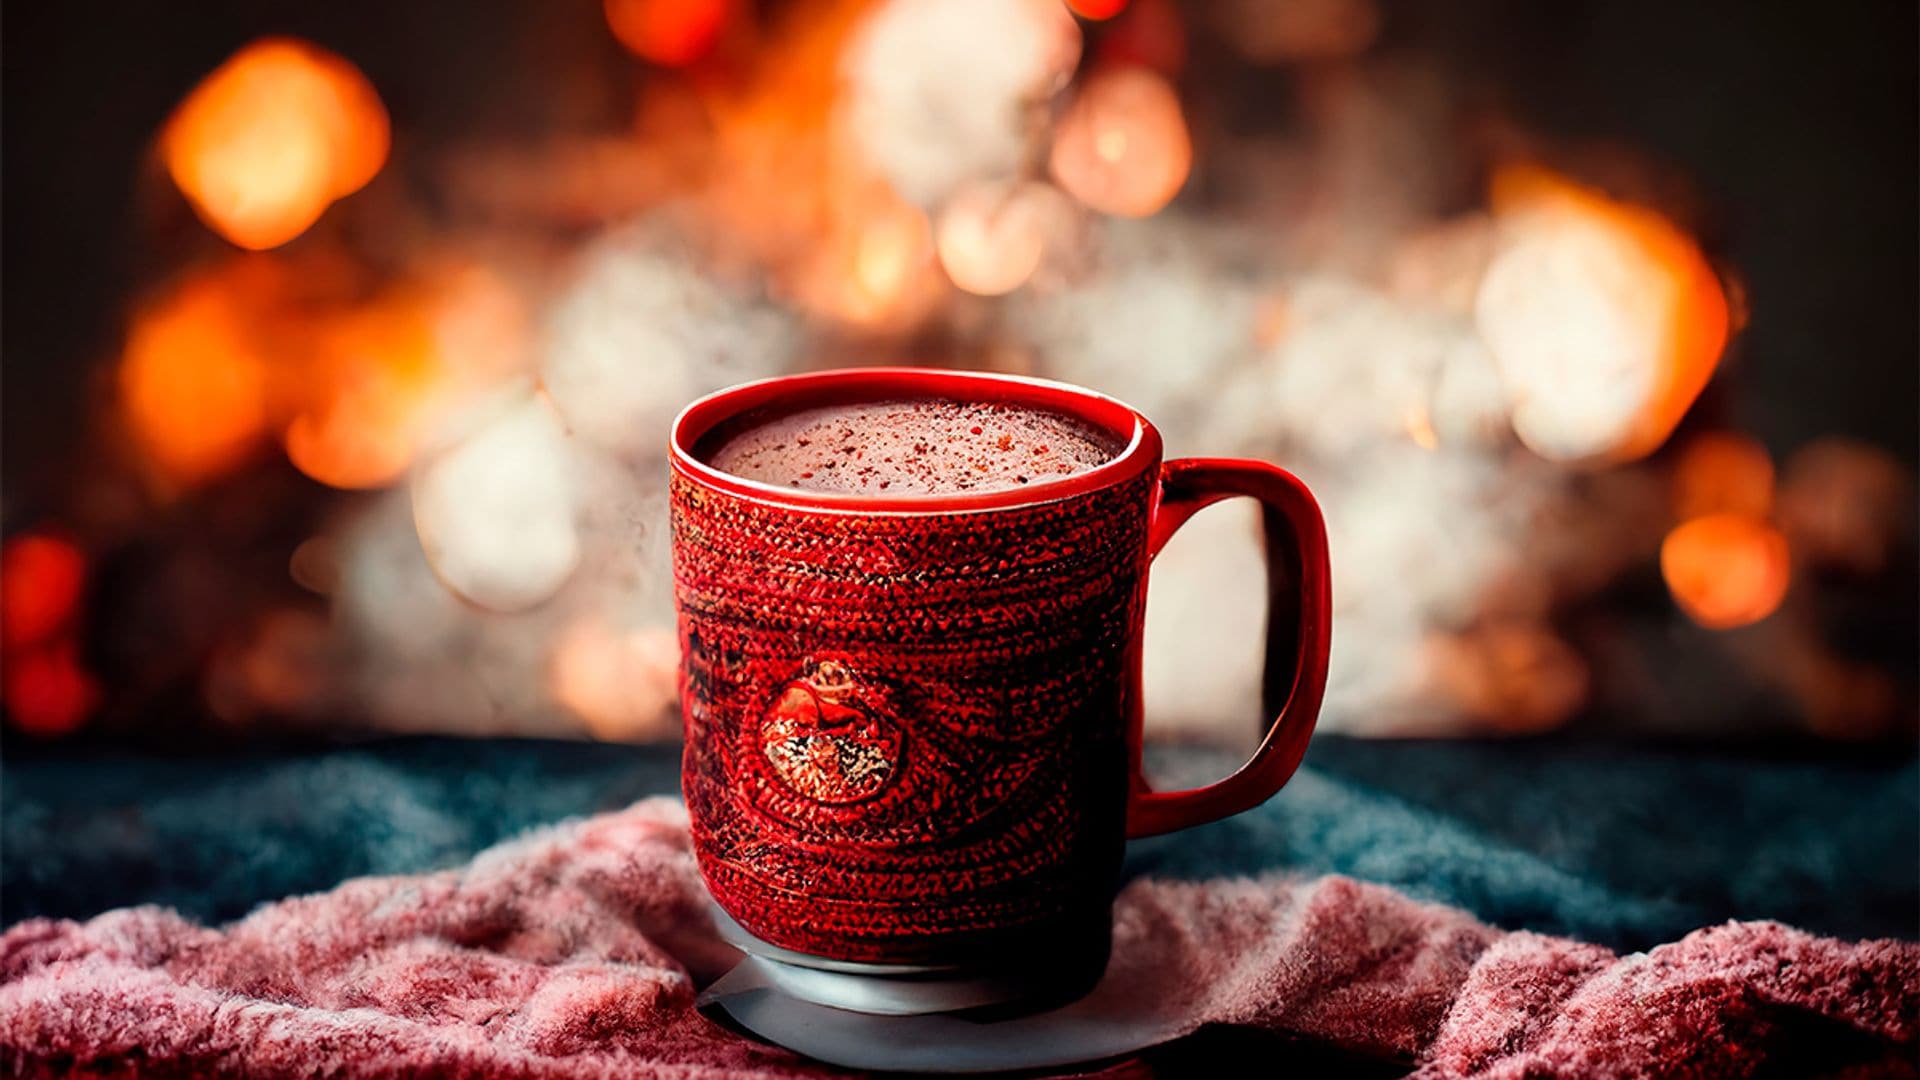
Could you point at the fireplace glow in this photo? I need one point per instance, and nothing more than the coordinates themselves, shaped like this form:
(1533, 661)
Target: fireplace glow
(1604, 317)
(1726, 570)
(495, 512)
(1122, 146)
(42, 581)
(41, 578)
(941, 92)
(888, 249)
(1097, 9)
(273, 137)
(367, 379)
(369, 394)
(991, 237)
(876, 267)
(193, 384)
(470, 371)
(673, 33)
(624, 686)
(1420, 428)
(47, 691)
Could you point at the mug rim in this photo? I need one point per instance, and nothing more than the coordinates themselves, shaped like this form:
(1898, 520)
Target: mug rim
(1142, 451)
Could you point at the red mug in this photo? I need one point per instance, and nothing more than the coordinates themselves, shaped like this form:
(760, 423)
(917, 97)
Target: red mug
(913, 723)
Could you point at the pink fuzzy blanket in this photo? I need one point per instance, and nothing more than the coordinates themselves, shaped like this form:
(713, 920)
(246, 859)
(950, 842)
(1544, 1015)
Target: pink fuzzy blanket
(575, 951)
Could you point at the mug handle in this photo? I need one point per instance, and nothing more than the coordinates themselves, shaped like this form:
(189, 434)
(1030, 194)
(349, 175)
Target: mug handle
(1297, 570)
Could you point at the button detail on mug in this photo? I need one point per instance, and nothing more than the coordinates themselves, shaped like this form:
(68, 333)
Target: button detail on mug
(826, 740)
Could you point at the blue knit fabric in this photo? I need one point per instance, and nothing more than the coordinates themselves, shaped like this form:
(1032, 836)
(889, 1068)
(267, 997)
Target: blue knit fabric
(1622, 846)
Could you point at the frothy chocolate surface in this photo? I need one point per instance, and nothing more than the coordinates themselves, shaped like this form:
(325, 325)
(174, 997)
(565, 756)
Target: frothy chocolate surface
(926, 447)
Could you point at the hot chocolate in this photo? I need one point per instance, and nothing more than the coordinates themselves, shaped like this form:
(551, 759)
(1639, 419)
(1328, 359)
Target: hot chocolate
(931, 446)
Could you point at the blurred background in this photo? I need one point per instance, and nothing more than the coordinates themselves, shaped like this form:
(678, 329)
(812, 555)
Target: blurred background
(340, 340)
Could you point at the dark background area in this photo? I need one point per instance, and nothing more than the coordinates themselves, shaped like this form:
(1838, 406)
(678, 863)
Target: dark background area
(1796, 123)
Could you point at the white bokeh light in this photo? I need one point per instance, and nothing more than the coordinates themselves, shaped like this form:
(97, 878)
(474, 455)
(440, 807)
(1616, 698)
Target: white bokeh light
(495, 511)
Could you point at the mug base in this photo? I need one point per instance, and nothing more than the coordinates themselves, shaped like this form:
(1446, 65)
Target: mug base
(917, 989)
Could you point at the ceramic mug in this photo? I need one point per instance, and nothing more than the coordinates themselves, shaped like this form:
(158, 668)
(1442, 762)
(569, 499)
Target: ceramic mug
(913, 723)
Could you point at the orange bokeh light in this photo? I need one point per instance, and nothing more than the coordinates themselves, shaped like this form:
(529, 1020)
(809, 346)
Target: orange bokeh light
(193, 387)
(41, 579)
(673, 33)
(1419, 424)
(376, 376)
(349, 370)
(992, 237)
(887, 251)
(272, 137)
(372, 391)
(1726, 570)
(1122, 146)
(623, 686)
(874, 267)
(1721, 472)
(48, 693)
(1605, 318)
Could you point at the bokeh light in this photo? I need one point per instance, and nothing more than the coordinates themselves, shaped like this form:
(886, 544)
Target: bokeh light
(193, 385)
(500, 337)
(672, 33)
(48, 693)
(1605, 319)
(934, 94)
(495, 512)
(1420, 428)
(381, 372)
(888, 250)
(41, 580)
(624, 686)
(1726, 570)
(273, 137)
(875, 269)
(369, 394)
(991, 237)
(1097, 9)
(1122, 146)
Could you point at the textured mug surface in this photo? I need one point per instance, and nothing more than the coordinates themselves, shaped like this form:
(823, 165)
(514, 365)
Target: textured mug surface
(912, 723)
